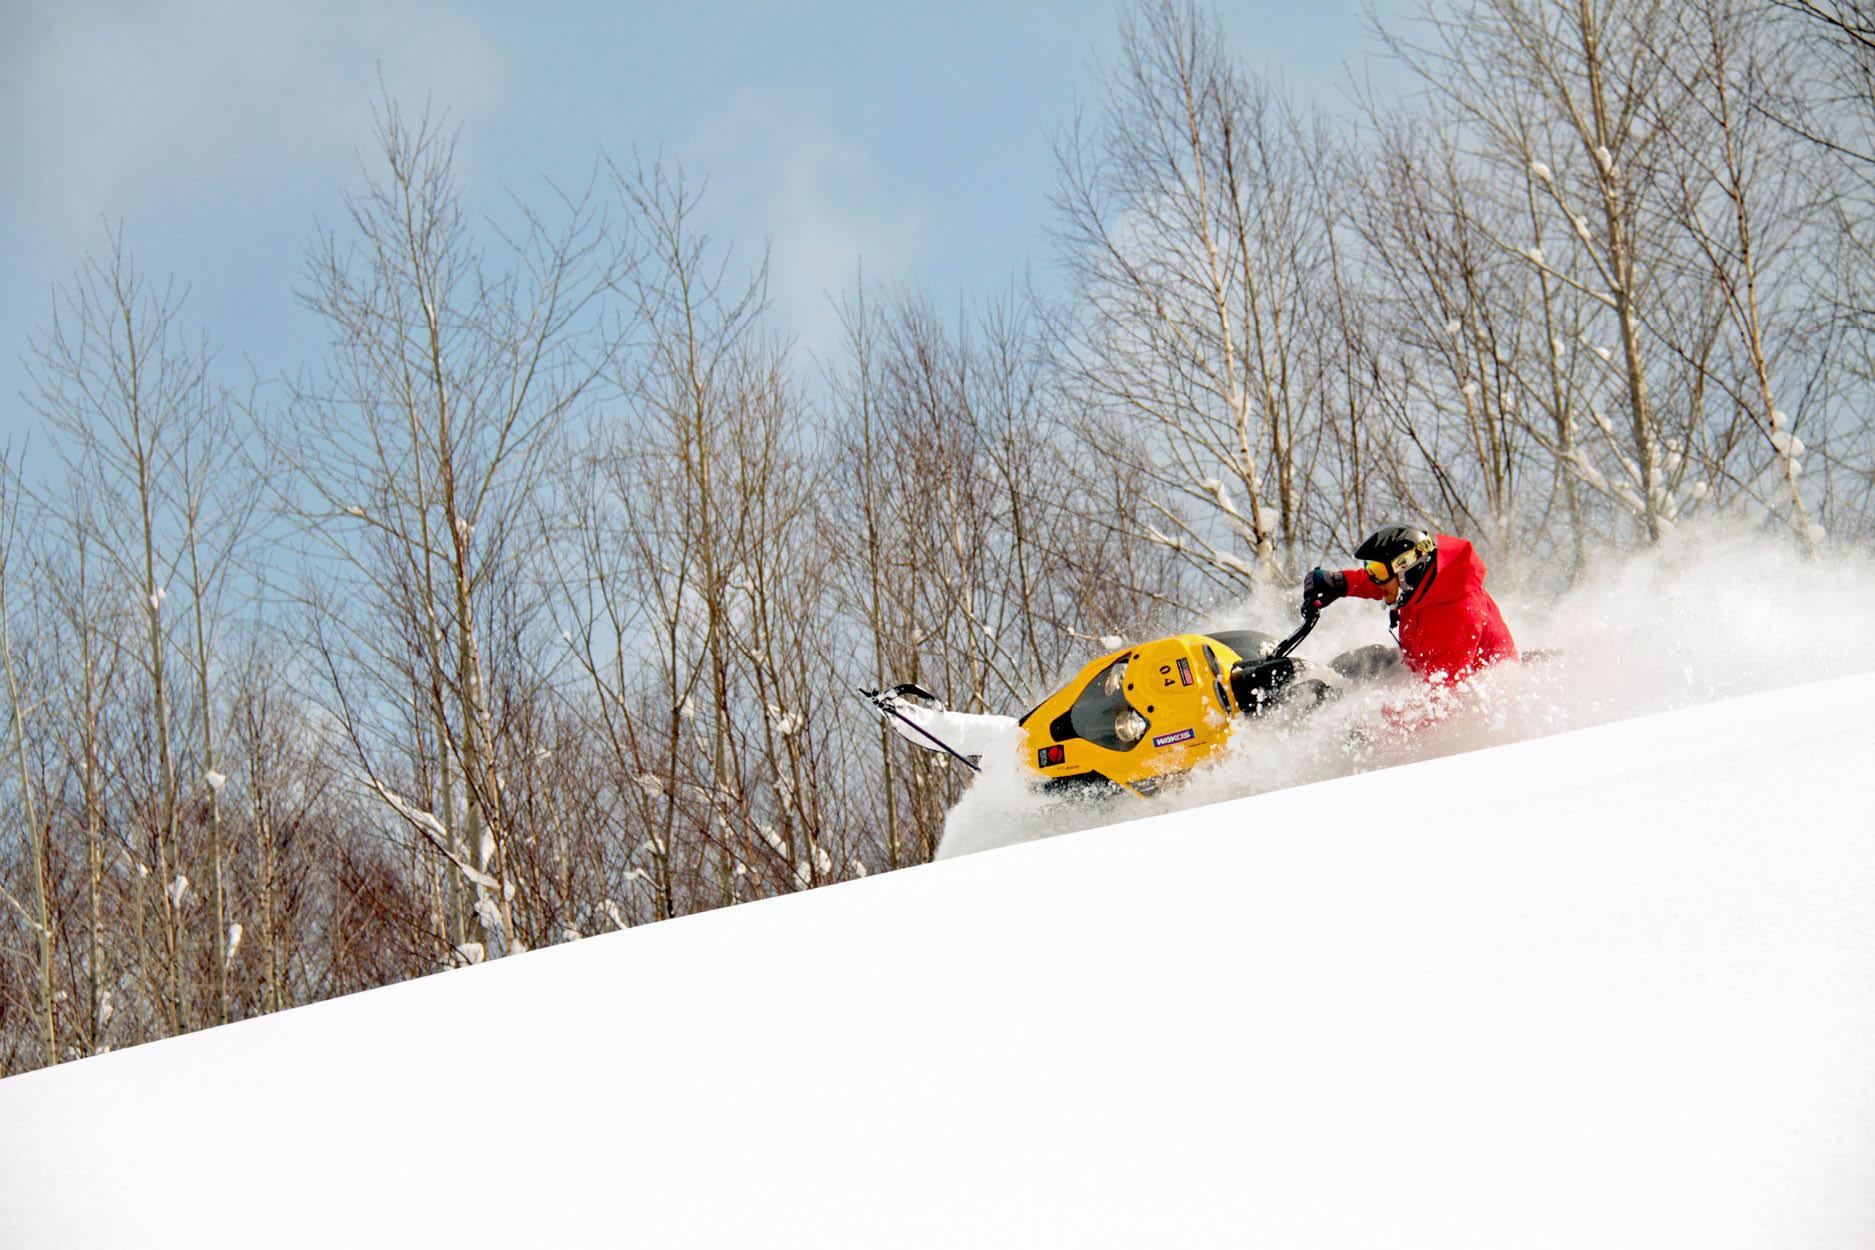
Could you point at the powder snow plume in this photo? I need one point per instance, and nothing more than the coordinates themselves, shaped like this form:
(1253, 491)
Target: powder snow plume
(1715, 611)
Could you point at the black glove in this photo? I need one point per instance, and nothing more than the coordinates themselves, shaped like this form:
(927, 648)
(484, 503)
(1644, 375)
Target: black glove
(1321, 588)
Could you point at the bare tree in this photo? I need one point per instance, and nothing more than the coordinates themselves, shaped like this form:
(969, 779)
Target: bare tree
(1578, 95)
(91, 631)
(908, 481)
(1453, 318)
(284, 791)
(37, 912)
(125, 391)
(696, 543)
(1189, 217)
(1825, 101)
(417, 464)
(1743, 200)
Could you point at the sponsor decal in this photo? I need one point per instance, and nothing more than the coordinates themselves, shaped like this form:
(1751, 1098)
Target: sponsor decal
(1049, 756)
(1184, 672)
(1166, 740)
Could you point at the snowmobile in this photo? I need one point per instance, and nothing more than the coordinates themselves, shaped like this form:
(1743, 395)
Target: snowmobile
(1135, 718)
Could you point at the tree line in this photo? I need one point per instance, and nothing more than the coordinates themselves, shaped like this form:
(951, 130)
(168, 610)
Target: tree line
(528, 610)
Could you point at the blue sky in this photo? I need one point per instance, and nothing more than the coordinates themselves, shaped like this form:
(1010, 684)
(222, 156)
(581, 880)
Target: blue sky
(914, 138)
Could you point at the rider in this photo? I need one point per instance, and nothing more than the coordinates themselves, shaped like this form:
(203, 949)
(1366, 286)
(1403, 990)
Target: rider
(1447, 624)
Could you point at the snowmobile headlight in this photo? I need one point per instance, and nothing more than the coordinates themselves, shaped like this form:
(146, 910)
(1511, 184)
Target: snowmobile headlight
(1129, 726)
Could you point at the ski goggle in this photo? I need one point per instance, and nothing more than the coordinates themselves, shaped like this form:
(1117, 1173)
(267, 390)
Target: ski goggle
(1385, 571)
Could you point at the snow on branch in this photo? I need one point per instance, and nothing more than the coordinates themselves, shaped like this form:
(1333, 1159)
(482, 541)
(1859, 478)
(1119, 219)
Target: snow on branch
(1219, 495)
(436, 834)
(1622, 492)
(1203, 552)
(25, 913)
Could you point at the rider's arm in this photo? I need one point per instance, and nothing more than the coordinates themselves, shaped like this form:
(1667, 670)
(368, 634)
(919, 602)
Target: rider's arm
(1361, 585)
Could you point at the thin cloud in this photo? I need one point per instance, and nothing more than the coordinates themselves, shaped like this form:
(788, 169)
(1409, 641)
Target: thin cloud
(120, 109)
(781, 169)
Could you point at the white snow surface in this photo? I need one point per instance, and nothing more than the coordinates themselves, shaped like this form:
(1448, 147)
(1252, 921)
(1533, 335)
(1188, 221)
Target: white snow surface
(1613, 987)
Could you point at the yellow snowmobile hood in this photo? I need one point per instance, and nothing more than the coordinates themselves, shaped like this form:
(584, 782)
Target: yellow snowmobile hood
(1136, 715)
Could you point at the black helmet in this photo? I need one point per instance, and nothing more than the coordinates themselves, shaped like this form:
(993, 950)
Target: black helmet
(1402, 551)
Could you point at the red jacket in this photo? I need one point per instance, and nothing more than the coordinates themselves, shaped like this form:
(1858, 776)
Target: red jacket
(1449, 627)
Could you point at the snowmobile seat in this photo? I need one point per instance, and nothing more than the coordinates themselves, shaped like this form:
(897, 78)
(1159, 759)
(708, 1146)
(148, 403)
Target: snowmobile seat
(1251, 644)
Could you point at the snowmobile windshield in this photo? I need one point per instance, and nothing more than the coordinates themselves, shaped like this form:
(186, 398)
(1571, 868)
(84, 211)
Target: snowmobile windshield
(1102, 715)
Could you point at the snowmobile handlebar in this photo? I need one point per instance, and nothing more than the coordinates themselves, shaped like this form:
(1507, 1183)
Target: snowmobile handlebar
(1310, 615)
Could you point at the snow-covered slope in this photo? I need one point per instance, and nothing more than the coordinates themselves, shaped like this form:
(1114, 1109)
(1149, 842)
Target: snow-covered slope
(1611, 988)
